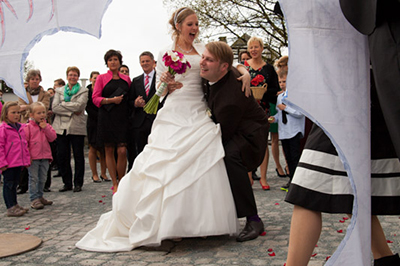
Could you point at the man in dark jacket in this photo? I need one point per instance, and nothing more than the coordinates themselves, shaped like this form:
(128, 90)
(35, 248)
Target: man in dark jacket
(244, 128)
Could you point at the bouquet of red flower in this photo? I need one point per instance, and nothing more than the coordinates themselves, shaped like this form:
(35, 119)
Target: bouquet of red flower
(177, 64)
(257, 80)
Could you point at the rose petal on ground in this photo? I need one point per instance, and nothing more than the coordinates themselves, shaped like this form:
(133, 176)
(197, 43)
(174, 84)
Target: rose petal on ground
(313, 255)
(340, 231)
(389, 241)
(103, 196)
(277, 203)
(100, 201)
(271, 254)
(27, 228)
(270, 250)
(327, 258)
(345, 218)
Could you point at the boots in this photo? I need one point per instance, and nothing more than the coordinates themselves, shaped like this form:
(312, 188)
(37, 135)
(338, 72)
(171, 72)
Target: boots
(393, 260)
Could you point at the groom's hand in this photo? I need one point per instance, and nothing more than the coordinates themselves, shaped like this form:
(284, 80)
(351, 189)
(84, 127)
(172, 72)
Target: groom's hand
(174, 86)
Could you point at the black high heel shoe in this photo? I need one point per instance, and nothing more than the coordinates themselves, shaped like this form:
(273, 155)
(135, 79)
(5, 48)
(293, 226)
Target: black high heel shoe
(277, 172)
(96, 181)
(105, 179)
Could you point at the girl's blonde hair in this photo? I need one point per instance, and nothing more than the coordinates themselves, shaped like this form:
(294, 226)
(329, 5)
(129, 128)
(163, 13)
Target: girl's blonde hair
(34, 105)
(4, 111)
(282, 62)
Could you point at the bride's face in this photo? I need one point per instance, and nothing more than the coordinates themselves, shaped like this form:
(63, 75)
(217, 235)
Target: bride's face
(189, 28)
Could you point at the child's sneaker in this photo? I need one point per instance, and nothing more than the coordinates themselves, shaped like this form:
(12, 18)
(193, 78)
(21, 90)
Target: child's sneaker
(45, 201)
(36, 204)
(22, 208)
(14, 211)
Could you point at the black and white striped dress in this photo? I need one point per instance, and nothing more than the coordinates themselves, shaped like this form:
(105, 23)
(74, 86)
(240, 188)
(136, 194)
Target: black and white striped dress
(320, 182)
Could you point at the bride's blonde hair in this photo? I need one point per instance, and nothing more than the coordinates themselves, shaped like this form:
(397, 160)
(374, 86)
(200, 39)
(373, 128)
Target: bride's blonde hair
(178, 17)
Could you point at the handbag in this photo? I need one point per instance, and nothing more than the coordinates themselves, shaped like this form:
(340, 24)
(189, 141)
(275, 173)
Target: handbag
(118, 92)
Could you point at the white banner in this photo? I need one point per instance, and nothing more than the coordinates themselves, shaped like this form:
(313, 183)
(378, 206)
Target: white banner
(25, 22)
(328, 81)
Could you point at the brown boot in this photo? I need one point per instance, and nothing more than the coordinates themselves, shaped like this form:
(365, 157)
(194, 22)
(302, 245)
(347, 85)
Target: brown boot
(45, 201)
(36, 204)
(22, 208)
(14, 211)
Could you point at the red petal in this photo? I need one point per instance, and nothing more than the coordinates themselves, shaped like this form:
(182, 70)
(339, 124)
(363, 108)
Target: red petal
(277, 203)
(327, 258)
(395, 235)
(316, 245)
(340, 231)
(27, 228)
(100, 201)
(389, 241)
(272, 254)
(270, 250)
(345, 218)
(263, 233)
(103, 196)
(313, 255)
(342, 221)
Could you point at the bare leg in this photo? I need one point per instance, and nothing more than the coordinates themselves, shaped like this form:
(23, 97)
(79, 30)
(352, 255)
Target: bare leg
(379, 244)
(93, 162)
(103, 165)
(111, 165)
(305, 230)
(264, 169)
(121, 163)
(275, 152)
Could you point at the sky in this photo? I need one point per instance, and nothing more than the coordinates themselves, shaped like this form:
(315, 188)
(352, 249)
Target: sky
(130, 26)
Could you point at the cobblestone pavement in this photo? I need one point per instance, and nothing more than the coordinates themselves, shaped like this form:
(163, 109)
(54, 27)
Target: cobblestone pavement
(61, 225)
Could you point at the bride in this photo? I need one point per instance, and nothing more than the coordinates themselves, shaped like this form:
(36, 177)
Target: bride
(178, 186)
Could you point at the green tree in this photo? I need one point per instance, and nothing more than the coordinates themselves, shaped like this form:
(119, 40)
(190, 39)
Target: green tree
(234, 18)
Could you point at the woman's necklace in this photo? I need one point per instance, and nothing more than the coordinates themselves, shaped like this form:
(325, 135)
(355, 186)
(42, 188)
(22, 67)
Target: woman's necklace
(186, 52)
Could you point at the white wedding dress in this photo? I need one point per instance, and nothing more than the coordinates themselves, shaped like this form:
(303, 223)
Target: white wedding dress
(178, 186)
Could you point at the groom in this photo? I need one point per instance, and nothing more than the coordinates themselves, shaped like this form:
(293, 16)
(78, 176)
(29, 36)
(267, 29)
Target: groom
(244, 129)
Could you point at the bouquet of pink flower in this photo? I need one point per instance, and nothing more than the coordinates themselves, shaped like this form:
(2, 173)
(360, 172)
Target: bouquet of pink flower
(177, 64)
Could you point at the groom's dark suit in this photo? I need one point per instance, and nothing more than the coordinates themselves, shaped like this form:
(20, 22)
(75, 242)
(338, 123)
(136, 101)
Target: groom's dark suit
(140, 121)
(380, 20)
(244, 128)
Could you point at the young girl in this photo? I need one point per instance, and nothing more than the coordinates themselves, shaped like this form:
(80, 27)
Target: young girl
(38, 134)
(14, 156)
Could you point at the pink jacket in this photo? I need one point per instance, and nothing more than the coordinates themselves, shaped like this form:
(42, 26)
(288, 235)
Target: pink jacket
(38, 140)
(13, 146)
(101, 82)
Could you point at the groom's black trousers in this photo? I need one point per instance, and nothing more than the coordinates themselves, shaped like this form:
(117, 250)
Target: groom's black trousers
(239, 181)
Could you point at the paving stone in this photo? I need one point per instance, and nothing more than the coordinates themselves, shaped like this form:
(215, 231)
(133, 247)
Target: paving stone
(73, 214)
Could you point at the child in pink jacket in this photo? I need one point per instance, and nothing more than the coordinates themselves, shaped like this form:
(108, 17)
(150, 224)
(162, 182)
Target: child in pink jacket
(38, 134)
(14, 155)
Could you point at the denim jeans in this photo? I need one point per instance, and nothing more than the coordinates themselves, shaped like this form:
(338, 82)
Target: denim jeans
(37, 178)
(11, 181)
(64, 143)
